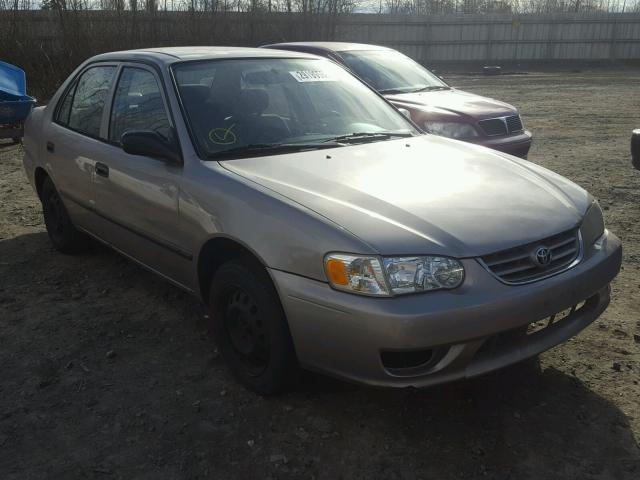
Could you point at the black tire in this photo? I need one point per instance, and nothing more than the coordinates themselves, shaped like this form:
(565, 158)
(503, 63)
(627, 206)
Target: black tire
(251, 329)
(64, 236)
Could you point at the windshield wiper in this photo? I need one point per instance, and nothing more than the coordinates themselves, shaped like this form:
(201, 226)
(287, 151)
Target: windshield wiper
(392, 91)
(258, 149)
(426, 88)
(431, 88)
(367, 136)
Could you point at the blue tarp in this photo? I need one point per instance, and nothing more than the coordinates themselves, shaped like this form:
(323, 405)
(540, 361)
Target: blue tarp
(12, 80)
(15, 104)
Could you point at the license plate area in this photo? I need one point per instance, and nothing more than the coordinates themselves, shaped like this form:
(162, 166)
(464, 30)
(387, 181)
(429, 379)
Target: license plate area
(539, 325)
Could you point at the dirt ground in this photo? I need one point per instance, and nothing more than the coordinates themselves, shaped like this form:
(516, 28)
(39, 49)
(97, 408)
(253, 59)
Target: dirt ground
(109, 372)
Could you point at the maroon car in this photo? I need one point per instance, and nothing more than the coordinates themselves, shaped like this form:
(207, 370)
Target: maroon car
(435, 106)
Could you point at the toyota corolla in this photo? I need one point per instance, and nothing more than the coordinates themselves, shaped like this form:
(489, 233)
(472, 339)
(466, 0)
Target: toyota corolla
(321, 228)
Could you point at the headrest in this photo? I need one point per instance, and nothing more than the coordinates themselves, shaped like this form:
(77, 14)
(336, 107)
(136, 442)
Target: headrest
(194, 93)
(253, 100)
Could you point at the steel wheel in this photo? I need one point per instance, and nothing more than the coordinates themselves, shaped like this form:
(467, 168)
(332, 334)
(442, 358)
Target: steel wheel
(246, 330)
(251, 328)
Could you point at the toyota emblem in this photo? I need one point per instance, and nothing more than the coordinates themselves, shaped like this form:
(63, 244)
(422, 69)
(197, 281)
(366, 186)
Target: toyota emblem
(542, 256)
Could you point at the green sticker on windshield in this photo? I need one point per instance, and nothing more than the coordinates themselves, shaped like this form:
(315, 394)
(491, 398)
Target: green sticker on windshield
(222, 136)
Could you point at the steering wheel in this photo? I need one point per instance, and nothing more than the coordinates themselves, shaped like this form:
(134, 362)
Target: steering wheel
(326, 120)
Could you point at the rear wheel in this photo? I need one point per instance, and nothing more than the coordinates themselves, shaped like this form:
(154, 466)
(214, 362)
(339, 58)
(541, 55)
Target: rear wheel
(251, 328)
(64, 236)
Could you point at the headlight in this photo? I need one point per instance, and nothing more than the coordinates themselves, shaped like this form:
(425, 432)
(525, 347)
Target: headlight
(357, 274)
(419, 274)
(451, 129)
(395, 276)
(592, 226)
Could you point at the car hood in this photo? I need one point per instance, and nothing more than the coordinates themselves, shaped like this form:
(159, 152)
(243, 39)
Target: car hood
(424, 195)
(455, 102)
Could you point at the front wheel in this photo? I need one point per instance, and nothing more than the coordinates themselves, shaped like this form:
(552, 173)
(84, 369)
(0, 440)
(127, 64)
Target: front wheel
(64, 236)
(251, 328)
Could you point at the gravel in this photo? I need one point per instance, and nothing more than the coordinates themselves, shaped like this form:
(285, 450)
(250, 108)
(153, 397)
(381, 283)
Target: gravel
(109, 372)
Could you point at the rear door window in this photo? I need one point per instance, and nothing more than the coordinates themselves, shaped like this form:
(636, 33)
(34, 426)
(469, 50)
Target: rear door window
(138, 105)
(82, 109)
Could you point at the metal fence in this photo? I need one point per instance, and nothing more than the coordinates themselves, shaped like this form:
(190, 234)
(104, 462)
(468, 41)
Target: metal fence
(49, 44)
(445, 38)
(486, 38)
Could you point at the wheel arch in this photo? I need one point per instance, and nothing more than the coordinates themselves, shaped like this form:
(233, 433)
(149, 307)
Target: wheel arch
(39, 176)
(215, 252)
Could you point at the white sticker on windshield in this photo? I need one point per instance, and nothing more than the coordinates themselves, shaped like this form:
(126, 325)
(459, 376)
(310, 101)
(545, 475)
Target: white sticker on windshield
(312, 76)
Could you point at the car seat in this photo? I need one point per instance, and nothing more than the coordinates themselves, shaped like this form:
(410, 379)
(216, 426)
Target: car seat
(255, 126)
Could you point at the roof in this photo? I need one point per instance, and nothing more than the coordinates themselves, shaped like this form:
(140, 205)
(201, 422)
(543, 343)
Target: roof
(175, 54)
(327, 46)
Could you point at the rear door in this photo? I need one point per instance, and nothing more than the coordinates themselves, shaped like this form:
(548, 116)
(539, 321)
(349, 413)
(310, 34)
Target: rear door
(74, 140)
(136, 197)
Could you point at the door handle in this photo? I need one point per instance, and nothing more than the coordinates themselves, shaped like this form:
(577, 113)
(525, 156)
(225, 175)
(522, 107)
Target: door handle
(51, 147)
(102, 169)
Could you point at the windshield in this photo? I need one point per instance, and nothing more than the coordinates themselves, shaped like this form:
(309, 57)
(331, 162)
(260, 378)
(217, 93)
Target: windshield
(389, 71)
(245, 106)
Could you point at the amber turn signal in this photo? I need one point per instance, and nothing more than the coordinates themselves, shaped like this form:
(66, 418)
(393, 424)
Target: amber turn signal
(337, 272)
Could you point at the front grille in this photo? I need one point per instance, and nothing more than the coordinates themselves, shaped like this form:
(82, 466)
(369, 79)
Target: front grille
(540, 325)
(517, 338)
(501, 126)
(519, 265)
(514, 124)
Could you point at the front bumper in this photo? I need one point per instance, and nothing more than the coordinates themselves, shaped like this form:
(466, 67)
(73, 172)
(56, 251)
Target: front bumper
(517, 145)
(344, 334)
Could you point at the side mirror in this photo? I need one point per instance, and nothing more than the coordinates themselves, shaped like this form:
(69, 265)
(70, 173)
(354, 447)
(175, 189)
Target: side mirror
(635, 148)
(405, 112)
(150, 144)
